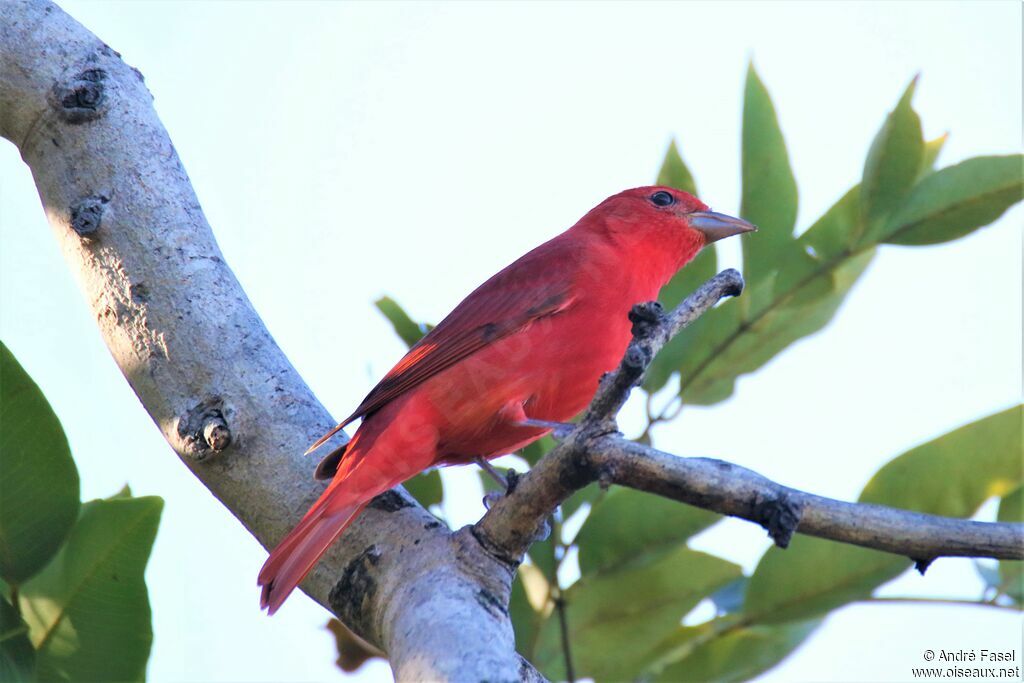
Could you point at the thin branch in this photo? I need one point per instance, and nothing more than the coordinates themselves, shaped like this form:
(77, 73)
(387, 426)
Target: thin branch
(734, 490)
(15, 599)
(670, 411)
(651, 331)
(563, 623)
(595, 451)
(555, 593)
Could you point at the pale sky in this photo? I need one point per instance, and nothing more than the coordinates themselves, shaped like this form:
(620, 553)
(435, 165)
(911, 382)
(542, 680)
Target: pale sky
(347, 150)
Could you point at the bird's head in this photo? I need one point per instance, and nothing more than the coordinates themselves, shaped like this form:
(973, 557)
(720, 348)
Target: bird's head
(663, 208)
(658, 221)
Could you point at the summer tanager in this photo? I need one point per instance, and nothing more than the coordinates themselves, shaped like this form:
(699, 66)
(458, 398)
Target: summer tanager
(523, 351)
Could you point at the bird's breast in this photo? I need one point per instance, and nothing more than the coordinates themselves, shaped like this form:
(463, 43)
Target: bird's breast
(551, 367)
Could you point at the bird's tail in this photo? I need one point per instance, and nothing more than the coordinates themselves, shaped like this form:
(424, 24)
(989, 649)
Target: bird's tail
(356, 482)
(381, 455)
(295, 556)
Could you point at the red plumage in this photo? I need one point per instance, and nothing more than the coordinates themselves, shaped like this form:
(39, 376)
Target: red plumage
(529, 343)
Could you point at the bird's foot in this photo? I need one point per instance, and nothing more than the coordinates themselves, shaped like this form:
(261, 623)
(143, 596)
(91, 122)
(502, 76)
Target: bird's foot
(492, 471)
(559, 430)
(507, 481)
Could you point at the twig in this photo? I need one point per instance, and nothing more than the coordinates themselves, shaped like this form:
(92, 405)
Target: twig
(668, 412)
(15, 599)
(563, 623)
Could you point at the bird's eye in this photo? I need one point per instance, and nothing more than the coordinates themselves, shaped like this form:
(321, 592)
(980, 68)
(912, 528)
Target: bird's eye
(662, 198)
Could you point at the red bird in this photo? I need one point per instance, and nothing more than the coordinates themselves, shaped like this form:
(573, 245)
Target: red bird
(524, 350)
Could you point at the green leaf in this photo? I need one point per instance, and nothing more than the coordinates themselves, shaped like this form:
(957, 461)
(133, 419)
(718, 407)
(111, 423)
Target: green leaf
(542, 554)
(488, 482)
(674, 172)
(709, 370)
(703, 267)
(587, 494)
(88, 611)
(816, 273)
(125, 492)
(808, 271)
(805, 273)
(1011, 573)
(738, 655)
(951, 475)
(426, 488)
(956, 200)
(932, 149)
(528, 607)
(616, 618)
(832, 236)
(715, 329)
(957, 472)
(814, 576)
(17, 656)
(629, 524)
(39, 495)
(988, 574)
(408, 330)
(769, 197)
(727, 342)
(729, 598)
(893, 163)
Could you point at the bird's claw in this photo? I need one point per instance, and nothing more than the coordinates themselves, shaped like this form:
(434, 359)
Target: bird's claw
(543, 532)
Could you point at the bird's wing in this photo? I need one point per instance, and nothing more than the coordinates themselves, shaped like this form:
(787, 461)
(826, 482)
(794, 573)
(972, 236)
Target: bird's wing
(536, 286)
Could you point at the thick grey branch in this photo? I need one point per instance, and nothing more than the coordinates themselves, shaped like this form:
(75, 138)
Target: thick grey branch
(595, 451)
(204, 366)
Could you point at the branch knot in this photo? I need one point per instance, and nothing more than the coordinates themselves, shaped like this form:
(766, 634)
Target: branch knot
(87, 215)
(82, 98)
(204, 429)
(647, 318)
(779, 515)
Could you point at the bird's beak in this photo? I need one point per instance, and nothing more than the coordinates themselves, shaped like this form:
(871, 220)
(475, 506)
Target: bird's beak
(718, 226)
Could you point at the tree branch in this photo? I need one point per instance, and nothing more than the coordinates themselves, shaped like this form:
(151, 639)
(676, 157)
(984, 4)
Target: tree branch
(238, 415)
(595, 451)
(205, 368)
